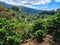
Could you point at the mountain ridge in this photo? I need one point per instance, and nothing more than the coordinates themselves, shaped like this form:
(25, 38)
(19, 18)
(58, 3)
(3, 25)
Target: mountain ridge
(25, 9)
(30, 10)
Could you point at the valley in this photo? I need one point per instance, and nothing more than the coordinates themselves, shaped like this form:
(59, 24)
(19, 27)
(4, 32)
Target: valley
(21, 25)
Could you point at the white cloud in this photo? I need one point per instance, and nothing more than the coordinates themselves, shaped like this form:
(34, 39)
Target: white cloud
(27, 3)
(41, 2)
(57, 0)
(45, 7)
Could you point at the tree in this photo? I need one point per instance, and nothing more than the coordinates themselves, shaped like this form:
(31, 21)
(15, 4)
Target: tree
(15, 8)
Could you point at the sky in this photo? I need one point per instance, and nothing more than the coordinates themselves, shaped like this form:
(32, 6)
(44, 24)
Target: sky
(36, 4)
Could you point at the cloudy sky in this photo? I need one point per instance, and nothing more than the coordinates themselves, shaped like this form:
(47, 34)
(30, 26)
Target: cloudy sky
(36, 4)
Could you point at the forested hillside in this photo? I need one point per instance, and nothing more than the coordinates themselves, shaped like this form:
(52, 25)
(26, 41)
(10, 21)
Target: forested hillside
(17, 26)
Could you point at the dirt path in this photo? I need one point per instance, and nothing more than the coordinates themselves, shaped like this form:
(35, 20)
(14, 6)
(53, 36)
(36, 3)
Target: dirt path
(48, 40)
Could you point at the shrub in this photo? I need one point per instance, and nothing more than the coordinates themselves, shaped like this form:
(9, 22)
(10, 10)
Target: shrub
(23, 30)
(8, 35)
(37, 25)
(39, 35)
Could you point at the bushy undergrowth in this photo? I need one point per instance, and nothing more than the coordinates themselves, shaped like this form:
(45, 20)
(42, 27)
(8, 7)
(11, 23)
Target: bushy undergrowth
(50, 25)
(12, 32)
(8, 34)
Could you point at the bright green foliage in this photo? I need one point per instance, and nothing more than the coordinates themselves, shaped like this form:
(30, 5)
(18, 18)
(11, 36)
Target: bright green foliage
(23, 30)
(50, 25)
(39, 35)
(37, 25)
(8, 35)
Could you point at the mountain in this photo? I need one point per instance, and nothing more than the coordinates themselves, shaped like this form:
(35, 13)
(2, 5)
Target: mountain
(23, 8)
(6, 5)
(35, 11)
(30, 10)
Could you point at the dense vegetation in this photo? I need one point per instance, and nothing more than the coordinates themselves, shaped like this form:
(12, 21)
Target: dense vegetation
(16, 26)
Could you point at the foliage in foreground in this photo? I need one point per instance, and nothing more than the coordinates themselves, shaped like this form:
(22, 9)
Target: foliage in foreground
(8, 35)
(50, 25)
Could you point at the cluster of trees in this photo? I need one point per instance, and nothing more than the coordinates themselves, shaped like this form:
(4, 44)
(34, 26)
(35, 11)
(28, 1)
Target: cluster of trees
(21, 16)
